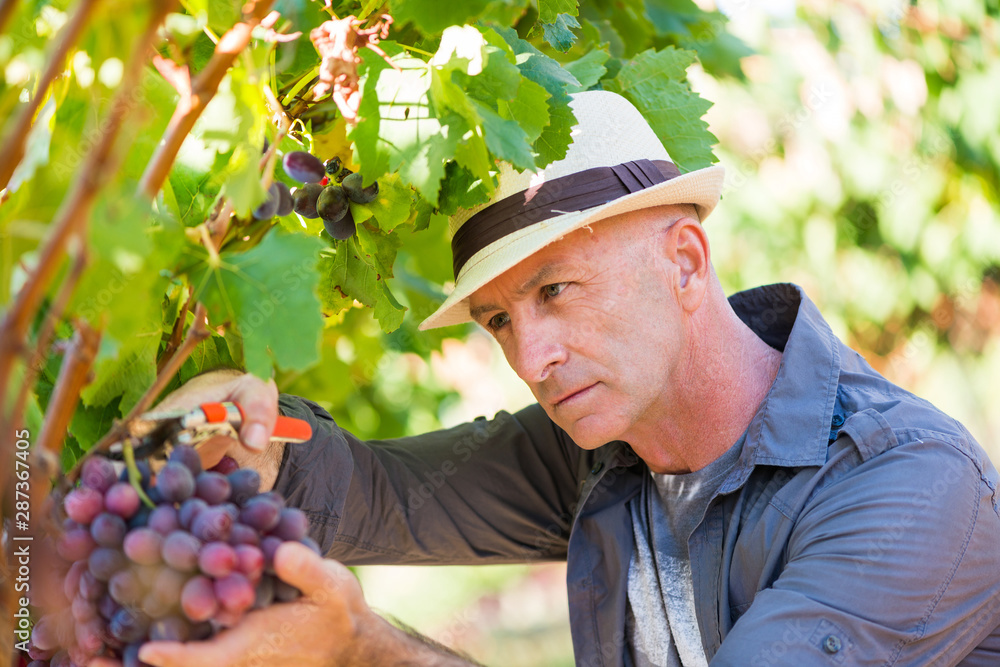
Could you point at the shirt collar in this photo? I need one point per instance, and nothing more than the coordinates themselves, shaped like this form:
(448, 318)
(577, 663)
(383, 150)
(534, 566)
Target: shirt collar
(792, 426)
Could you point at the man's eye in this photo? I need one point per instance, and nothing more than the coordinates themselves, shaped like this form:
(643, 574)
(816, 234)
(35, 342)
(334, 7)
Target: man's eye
(498, 321)
(554, 289)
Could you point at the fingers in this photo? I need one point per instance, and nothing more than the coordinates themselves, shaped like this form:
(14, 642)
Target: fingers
(312, 574)
(259, 400)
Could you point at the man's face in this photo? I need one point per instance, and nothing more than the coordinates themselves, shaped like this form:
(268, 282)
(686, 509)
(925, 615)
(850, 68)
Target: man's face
(592, 325)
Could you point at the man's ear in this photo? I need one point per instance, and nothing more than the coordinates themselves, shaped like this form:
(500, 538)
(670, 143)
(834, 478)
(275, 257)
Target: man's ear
(687, 248)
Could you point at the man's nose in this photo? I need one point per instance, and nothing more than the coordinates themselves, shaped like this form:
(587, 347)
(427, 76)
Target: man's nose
(539, 349)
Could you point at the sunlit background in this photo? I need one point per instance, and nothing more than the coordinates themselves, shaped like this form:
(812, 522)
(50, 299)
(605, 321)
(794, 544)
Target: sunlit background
(862, 144)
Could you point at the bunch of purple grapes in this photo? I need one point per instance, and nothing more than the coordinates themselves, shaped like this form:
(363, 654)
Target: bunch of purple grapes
(319, 198)
(193, 563)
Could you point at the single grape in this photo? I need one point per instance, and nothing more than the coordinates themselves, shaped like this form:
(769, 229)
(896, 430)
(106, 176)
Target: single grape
(91, 588)
(125, 588)
(175, 482)
(212, 487)
(332, 204)
(146, 573)
(198, 599)
(269, 207)
(241, 533)
(130, 656)
(89, 635)
(285, 202)
(217, 559)
(164, 519)
(190, 509)
(261, 513)
(83, 504)
(143, 546)
(129, 625)
(202, 630)
(60, 659)
(342, 229)
(44, 635)
(170, 629)
(83, 610)
(167, 586)
(304, 200)
(332, 166)
(235, 592)
(264, 592)
(140, 518)
(188, 457)
(285, 592)
(108, 530)
(98, 473)
(180, 551)
(39, 663)
(250, 561)
(292, 526)
(122, 499)
(355, 190)
(231, 510)
(71, 584)
(268, 546)
(226, 465)
(107, 606)
(103, 563)
(75, 544)
(212, 524)
(245, 484)
(303, 167)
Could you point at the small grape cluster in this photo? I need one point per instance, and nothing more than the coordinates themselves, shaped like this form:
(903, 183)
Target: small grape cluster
(319, 198)
(194, 562)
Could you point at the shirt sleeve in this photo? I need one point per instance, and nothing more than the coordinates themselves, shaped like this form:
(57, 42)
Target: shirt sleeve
(897, 562)
(488, 491)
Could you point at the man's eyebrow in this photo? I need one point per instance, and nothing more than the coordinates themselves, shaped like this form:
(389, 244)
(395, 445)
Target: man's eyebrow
(543, 274)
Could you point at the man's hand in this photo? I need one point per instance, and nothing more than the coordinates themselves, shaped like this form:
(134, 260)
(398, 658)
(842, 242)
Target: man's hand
(330, 625)
(259, 400)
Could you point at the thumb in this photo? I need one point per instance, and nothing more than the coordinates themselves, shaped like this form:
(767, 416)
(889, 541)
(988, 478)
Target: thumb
(312, 574)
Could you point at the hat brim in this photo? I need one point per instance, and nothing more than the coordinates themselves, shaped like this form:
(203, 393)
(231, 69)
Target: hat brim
(703, 188)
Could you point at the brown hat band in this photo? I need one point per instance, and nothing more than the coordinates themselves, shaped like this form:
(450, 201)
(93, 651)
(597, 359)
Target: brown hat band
(566, 194)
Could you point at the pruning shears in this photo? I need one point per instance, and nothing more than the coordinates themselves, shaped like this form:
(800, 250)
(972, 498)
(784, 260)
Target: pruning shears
(153, 433)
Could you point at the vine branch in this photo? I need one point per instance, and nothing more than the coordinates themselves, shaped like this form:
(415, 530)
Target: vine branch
(12, 151)
(193, 102)
(197, 332)
(74, 212)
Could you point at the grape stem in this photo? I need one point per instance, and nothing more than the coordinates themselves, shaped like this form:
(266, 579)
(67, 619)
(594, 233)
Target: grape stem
(134, 476)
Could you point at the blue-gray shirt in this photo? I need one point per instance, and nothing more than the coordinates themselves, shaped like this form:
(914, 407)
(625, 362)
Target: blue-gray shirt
(860, 525)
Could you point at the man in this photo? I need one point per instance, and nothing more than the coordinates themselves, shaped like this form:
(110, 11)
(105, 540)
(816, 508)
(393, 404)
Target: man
(728, 482)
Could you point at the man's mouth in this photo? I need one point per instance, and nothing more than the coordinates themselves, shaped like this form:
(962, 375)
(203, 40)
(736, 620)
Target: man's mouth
(572, 395)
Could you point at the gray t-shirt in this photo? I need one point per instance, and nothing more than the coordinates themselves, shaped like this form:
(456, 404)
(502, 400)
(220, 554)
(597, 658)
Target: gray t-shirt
(661, 628)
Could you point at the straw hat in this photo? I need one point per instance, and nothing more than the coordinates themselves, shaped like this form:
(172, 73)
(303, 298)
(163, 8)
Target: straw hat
(615, 165)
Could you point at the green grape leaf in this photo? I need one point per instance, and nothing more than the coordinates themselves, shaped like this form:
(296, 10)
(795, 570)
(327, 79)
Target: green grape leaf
(89, 424)
(656, 83)
(381, 248)
(208, 355)
(529, 108)
(398, 131)
(549, 10)
(391, 207)
(559, 34)
(433, 16)
(352, 271)
(127, 374)
(588, 70)
(269, 294)
(242, 185)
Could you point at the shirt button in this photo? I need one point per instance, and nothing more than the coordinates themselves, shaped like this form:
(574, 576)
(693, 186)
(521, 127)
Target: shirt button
(831, 644)
(838, 421)
(598, 467)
